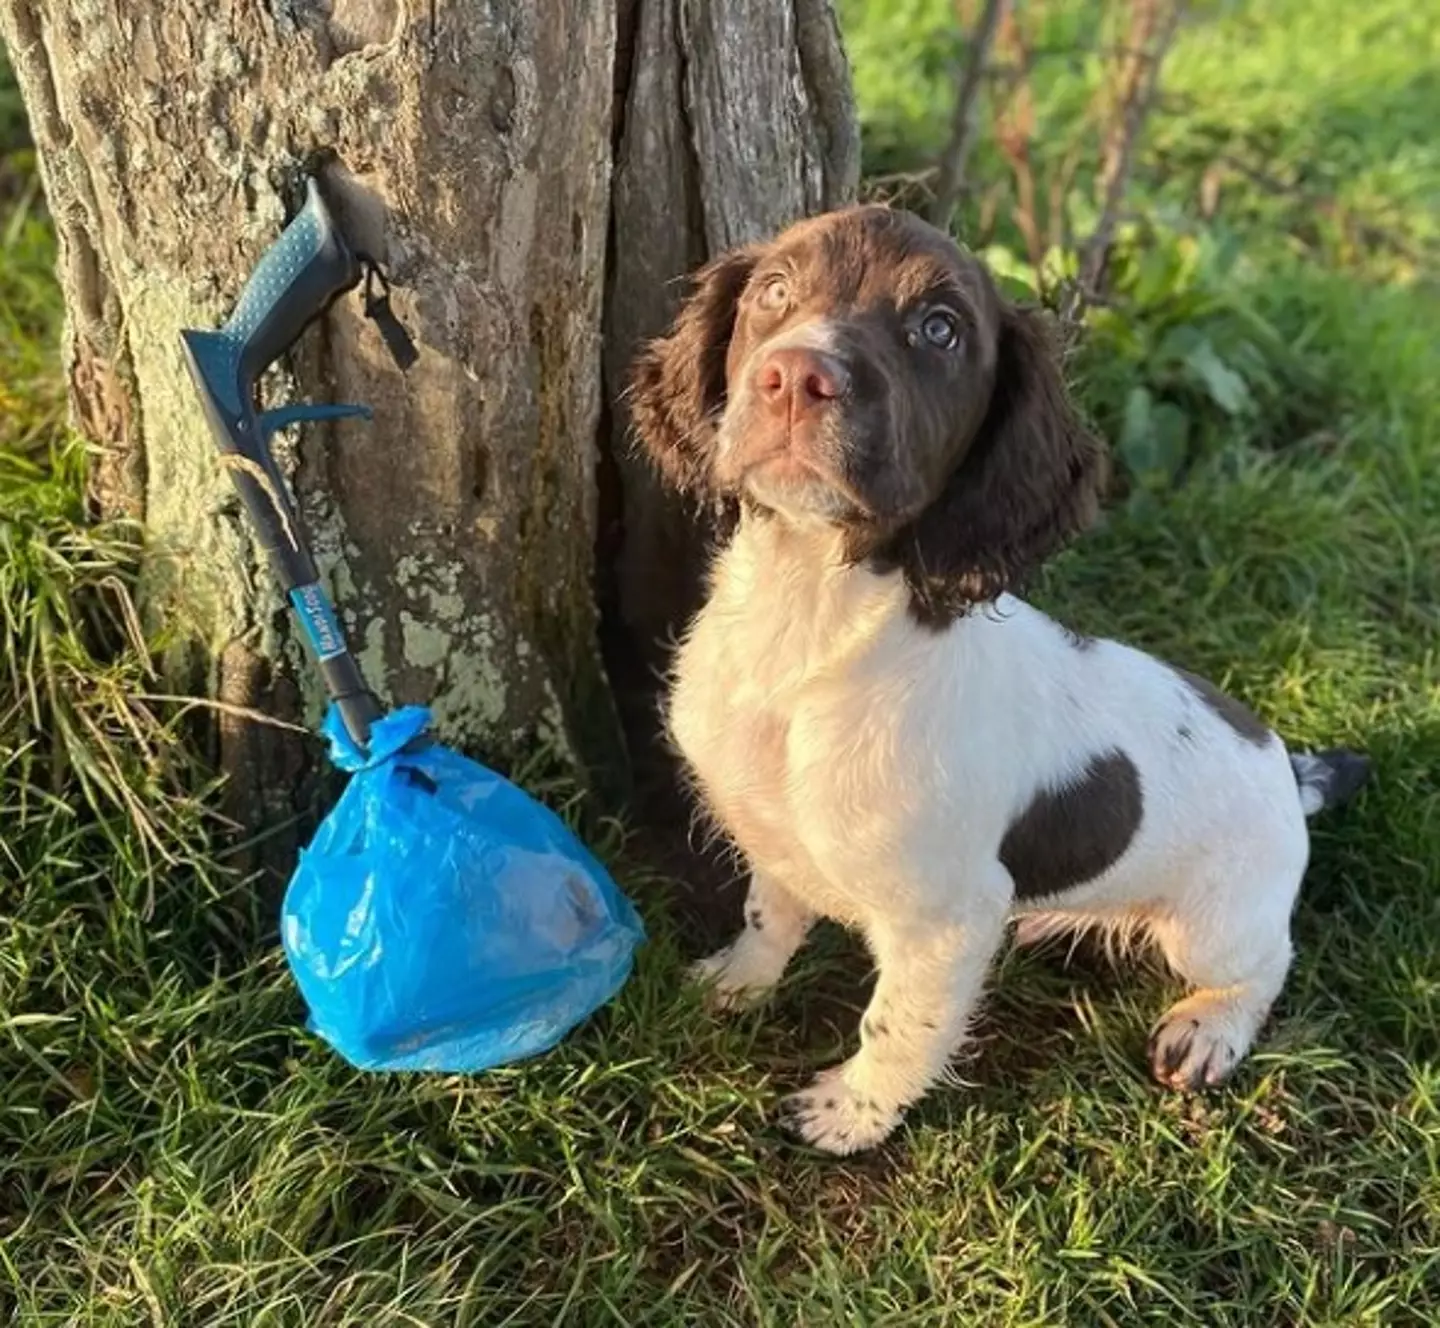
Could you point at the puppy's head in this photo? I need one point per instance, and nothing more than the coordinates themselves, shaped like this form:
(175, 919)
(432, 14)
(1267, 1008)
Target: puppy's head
(860, 371)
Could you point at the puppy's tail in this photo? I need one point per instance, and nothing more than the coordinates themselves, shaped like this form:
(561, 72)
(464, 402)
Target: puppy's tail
(1329, 778)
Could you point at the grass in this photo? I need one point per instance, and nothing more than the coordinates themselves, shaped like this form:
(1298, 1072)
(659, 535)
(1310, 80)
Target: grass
(31, 393)
(174, 1149)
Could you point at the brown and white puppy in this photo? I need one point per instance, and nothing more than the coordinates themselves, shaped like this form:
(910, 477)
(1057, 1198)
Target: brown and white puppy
(892, 738)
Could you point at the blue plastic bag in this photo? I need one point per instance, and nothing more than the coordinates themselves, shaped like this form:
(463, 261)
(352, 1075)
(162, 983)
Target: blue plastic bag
(442, 919)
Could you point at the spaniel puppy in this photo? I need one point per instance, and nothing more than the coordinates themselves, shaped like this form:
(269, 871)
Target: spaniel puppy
(893, 739)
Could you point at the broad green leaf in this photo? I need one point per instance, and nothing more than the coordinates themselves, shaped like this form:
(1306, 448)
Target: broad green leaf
(1170, 427)
(1007, 265)
(1226, 388)
(1154, 277)
(1135, 443)
(1178, 344)
(1154, 437)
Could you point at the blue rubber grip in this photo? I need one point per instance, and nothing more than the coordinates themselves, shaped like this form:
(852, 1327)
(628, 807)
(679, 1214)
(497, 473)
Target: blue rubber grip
(301, 241)
(295, 280)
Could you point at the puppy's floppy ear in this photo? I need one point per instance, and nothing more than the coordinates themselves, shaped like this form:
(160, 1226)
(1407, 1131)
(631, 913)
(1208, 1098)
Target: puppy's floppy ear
(1030, 481)
(677, 383)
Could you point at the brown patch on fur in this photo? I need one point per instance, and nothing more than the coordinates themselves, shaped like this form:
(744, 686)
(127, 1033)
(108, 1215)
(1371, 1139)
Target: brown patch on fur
(1071, 834)
(1239, 717)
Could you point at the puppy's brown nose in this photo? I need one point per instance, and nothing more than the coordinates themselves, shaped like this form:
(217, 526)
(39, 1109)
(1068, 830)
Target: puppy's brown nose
(800, 379)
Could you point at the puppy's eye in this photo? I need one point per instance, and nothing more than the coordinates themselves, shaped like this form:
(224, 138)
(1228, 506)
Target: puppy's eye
(941, 329)
(774, 294)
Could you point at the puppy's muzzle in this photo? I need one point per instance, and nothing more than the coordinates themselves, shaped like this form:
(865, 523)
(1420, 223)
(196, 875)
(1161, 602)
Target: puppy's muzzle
(796, 382)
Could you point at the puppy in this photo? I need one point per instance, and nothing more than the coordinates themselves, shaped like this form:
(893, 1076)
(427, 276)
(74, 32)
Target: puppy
(889, 736)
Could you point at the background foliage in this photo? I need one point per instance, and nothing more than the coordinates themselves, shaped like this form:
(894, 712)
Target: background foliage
(175, 1149)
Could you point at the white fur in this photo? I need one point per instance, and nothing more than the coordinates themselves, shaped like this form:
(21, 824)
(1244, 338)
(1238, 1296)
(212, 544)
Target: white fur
(868, 767)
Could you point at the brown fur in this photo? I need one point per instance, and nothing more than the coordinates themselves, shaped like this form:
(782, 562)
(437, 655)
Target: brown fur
(678, 381)
(1031, 481)
(962, 470)
(1244, 721)
(1071, 834)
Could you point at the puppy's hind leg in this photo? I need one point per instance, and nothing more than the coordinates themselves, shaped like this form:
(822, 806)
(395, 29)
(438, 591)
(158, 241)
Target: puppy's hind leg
(1233, 944)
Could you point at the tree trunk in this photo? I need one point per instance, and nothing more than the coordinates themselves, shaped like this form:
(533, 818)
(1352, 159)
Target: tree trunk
(733, 120)
(469, 146)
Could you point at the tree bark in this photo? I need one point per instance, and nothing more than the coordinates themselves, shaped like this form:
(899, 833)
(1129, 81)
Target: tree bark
(733, 120)
(469, 145)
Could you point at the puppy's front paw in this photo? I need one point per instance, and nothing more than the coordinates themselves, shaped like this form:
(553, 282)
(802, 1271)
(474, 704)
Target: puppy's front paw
(835, 1118)
(736, 977)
